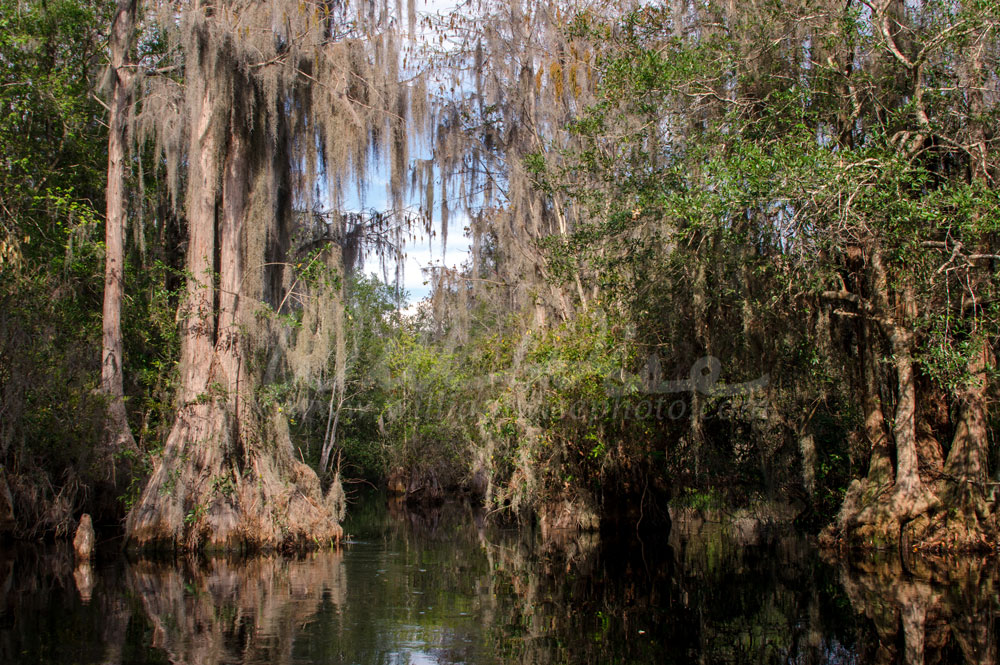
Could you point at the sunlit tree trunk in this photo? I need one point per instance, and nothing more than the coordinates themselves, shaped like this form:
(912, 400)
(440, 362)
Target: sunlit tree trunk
(198, 312)
(338, 391)
(227, 478)
(880, 464)
(159, 517)
(229, 342)
(967, 462)
(911, 497)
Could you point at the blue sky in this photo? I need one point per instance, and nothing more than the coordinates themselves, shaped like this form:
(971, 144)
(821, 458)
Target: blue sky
(420, 253)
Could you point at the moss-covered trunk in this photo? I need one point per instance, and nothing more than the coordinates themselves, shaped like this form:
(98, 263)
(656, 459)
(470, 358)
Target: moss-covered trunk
(227, 478)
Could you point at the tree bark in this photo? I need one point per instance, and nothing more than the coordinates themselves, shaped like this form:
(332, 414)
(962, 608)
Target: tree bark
(880, 464)
(967, 459)
(158, 520)
(227, 479)
(871, 516)
(119, 435)
(863, 514)
(807, 449)
(911, 497)
(229, 339)
(198, 313)
(337, 393)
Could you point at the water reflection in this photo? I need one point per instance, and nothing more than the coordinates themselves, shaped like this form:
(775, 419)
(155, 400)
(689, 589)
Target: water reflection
(925, 609)
(441, 586)
(51, 612)
(222, 611)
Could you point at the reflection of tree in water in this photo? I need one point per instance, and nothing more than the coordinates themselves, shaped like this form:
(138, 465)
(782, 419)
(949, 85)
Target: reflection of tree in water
(924, 609)
(703, 595)
(436, 522)
(442, 585)
(39, 583)
(221, 611)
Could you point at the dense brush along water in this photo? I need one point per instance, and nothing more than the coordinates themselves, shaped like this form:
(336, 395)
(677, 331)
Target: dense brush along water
(442, 586)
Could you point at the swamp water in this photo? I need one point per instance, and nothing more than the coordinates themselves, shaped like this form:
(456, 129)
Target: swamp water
(440, 586)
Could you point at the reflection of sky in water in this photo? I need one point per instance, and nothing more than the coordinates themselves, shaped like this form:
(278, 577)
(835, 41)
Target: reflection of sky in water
(403, 605)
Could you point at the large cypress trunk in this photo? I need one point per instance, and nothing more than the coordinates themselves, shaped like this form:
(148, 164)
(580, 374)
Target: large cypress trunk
(877, 508)
(911, 497)
(227, 478)
(903, 509)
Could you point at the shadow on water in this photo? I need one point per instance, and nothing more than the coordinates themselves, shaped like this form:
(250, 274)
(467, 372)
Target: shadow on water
(441, 586)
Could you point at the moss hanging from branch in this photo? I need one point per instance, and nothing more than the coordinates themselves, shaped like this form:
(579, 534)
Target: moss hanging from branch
(270, 100)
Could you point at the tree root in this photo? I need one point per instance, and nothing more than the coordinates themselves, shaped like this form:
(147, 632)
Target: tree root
(913, 518)
(220, 488)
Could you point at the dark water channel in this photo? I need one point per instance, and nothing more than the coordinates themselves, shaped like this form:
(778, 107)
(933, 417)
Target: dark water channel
(440, 587)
